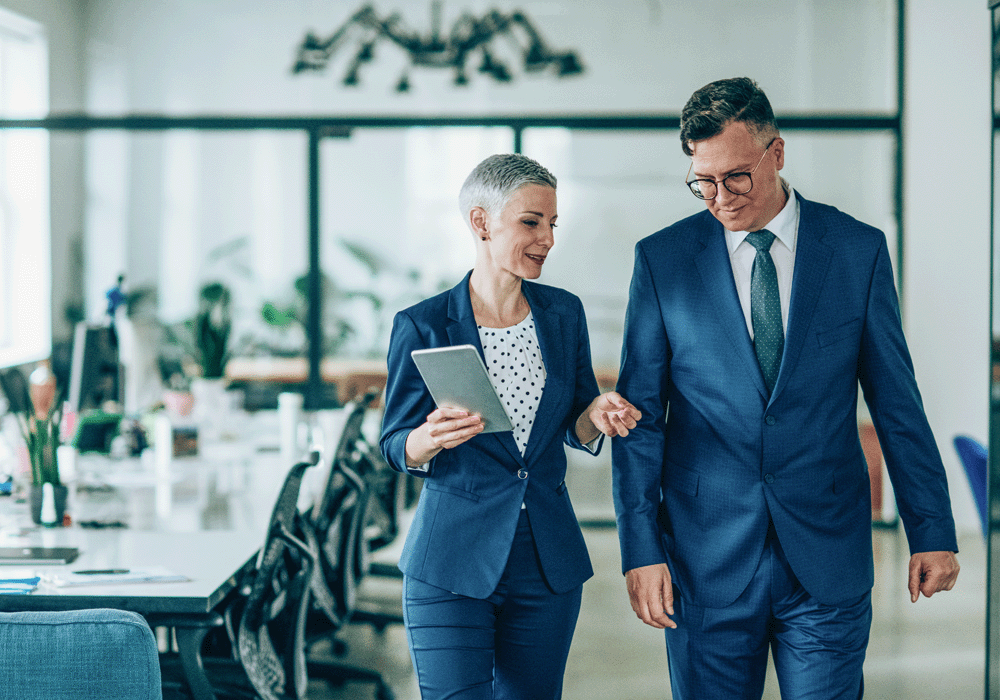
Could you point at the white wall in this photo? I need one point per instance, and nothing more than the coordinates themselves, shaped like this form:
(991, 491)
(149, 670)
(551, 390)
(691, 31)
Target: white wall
(232, 55)
(947, 133)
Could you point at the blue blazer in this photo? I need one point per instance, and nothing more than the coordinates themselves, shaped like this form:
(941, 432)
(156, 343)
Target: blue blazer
(465, 520)
(694, 486)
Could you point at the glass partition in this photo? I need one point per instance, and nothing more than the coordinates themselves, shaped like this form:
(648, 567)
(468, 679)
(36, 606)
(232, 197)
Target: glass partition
(195, 221)
(616, 187)
(391, 230)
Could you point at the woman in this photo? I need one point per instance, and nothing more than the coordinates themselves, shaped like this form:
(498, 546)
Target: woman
(494, 561)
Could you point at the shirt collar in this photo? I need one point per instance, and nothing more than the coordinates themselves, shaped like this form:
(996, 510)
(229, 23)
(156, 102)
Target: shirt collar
(784, 226)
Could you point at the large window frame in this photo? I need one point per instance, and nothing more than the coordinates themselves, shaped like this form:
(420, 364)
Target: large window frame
(319, 128)
(25, 235)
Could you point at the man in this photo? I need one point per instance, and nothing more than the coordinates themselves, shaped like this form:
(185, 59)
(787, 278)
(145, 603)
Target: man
(742, 496)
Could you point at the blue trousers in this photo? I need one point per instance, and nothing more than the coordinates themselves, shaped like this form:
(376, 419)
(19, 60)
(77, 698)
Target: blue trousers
(512, 645)
(818, 650)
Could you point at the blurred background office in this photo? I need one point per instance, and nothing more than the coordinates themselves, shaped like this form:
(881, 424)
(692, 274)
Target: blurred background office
(238, 159)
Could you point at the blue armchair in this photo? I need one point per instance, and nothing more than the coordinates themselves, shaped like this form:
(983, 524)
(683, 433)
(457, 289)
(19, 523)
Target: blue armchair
(78, 655)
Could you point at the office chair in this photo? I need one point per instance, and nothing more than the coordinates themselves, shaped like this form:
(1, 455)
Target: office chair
(973, 456)
(387, 487)
(266, 619)
(336, 528)
(381, 510)
(98, 654)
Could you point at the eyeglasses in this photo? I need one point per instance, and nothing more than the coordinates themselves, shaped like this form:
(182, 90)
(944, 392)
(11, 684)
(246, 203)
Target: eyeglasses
(737, 183)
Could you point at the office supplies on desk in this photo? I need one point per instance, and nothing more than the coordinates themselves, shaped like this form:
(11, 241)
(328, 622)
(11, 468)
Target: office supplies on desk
(18, 586)
(100, 572)
(22, 556)
(110, 577)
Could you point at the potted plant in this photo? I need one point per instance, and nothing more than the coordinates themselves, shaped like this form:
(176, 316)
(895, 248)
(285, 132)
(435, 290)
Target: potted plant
(193, 362)
(200, 345)
(40, 427)
(211, 327)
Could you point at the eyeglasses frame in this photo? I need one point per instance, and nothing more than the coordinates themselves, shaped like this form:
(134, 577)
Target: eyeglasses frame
(723, 181)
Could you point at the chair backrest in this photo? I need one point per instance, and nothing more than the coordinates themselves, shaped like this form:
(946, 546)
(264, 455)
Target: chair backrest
(98, 654)
(973, 455)
(336, 523)
(271, 633)
(384, 487)
(337, 531)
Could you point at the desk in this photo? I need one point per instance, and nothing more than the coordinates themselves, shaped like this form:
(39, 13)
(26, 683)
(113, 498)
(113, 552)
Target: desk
(213, 560)
(205, 517)
(210, 559)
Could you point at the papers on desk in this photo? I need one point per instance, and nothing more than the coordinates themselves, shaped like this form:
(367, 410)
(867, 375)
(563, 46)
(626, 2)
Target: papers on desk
(18, 586)
(111, 577)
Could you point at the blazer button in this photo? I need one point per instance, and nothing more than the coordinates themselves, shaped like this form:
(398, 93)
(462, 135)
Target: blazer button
(770, 420)
(522, 473)
(769, 478)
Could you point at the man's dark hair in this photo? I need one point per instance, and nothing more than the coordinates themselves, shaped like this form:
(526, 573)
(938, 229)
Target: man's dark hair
(715, 106)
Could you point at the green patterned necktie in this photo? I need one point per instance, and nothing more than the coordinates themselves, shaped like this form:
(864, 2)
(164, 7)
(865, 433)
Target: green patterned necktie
(765, 308)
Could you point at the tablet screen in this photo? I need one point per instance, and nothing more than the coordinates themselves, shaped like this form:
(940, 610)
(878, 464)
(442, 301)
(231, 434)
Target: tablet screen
(457, 378)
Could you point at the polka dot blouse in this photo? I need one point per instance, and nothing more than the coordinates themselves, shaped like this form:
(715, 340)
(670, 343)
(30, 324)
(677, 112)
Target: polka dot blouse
(514, 362)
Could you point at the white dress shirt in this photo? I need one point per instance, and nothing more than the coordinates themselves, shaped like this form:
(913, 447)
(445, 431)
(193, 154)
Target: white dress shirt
(785, 227)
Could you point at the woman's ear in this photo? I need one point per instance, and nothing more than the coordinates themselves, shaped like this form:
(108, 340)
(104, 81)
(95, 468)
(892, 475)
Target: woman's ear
(478, 222)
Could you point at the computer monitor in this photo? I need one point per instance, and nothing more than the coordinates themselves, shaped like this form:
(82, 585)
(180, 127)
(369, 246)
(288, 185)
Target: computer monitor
(95, 373)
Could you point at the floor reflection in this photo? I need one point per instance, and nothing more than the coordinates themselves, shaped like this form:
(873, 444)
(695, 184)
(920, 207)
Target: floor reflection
(927, 651)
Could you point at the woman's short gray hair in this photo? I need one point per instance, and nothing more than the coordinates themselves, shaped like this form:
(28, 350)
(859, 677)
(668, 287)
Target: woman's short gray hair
(492, 182)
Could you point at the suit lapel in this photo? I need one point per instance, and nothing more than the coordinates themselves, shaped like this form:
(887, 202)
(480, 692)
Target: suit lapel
(462, 330)
(461, 321)
(716, 272)
(553, 345)
(812, 260)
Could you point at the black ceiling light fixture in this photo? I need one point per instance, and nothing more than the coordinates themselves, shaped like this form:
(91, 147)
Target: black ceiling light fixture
(469, 35)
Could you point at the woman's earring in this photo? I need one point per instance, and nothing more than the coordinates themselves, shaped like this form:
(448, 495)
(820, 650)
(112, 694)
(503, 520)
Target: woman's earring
(484, 238)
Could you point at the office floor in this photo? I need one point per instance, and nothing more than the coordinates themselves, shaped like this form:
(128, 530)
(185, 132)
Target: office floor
(927, 651)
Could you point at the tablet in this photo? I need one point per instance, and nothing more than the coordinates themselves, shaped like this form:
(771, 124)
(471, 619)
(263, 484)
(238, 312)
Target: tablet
(457, 378)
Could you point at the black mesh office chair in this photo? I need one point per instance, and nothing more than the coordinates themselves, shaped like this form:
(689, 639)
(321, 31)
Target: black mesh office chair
(266, 619)
(338, 528)
(271, 634)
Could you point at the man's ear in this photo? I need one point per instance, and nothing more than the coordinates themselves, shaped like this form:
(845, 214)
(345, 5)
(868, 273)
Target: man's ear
(479, 222)
(779, 152)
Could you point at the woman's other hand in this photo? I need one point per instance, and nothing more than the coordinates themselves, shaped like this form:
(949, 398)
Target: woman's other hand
(444, 429)
(609, 414)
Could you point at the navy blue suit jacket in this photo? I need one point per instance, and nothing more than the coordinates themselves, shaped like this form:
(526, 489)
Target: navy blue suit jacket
(465, 520)
(694, 484)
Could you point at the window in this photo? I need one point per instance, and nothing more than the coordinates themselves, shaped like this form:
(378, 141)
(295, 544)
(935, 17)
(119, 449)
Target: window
(25, 261)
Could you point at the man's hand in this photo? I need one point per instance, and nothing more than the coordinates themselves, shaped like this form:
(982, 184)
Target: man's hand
(651, 592)
(931, 572)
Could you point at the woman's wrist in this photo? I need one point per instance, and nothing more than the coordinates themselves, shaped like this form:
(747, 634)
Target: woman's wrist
(419, 449)
(585, 429)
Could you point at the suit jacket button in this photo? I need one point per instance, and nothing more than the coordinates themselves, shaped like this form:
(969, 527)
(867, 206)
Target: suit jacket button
(770, 420)
(522, 473)
(769, 478)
